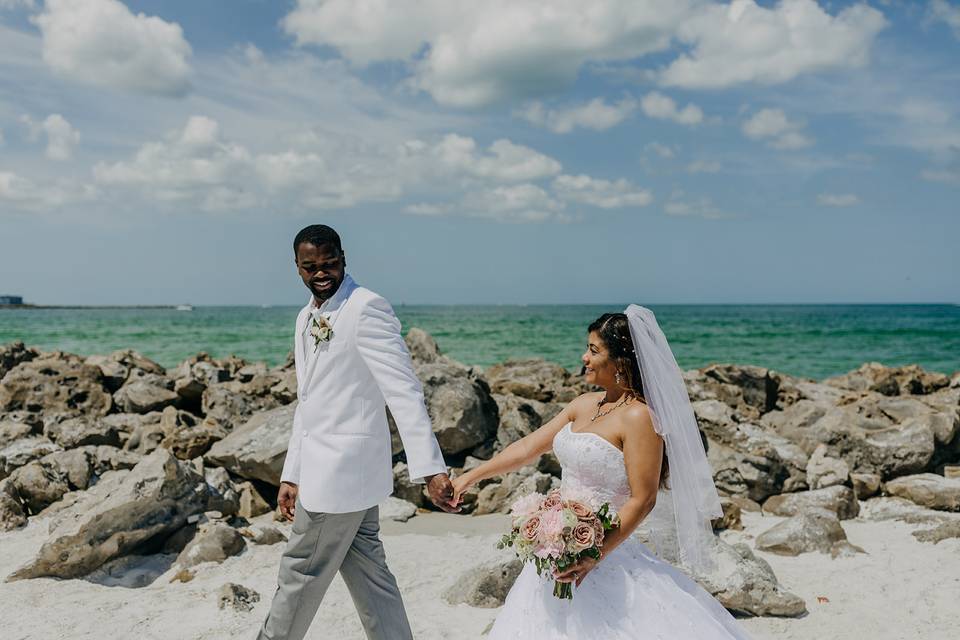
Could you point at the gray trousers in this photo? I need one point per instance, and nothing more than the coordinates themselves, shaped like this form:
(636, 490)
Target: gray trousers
(320, 545)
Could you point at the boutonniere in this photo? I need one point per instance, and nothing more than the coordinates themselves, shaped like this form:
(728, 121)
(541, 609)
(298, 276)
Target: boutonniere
(321, 330)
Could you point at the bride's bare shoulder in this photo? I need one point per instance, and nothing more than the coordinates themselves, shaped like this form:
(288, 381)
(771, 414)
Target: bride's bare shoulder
(585, 402)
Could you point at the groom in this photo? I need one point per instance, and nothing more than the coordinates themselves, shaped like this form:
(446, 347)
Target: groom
(351, 361)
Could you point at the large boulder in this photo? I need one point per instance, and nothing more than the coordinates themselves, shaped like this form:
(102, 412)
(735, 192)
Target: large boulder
(11, 430)
(12, 515)
(228, 406)
(39, 485)
(811, 530)
(461, 409)
(55, 384)
(120, 366)
(743, 385)
(837, 499)
(423, 348)
(534, 379)
(257, 449)
(927, 490)
(497, 497)
(213, 542)
(486, 585)
(12, 354)
(890, 381)
(824, 471)
(521, 416)
(145, 395)
(189, 442)
(20, 452)
(747, 585)
(405, 489)
(81, 431)
(753, 462)
(123, 511)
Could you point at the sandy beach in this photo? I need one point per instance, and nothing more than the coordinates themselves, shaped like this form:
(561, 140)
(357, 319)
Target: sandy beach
(901, 589)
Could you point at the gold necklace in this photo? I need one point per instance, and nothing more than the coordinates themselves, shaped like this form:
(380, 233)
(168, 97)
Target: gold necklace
(600, 414)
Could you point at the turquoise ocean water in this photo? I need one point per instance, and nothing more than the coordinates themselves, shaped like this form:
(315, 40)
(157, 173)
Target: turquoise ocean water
(809, 340)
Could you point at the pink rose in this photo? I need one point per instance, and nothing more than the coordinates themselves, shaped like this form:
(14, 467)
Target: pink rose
(551, 524)
(530, 529)
(553, 501)
(583, 512)
(548, 550)
(583, 535)
(598, 532)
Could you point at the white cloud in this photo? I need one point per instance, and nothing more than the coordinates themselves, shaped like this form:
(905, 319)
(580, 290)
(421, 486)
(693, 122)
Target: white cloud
(657, 105)
(505, 161)
(702, 207)
(100, 42)
(26, 195)
(662, 150)
(838, 199)
(471, 54)
(60, 134)
(604, 194)
(943, 11)
(742, 42)
(773, 126)
(596, 115)
(704, 166)
(946, 176)
(16, 4)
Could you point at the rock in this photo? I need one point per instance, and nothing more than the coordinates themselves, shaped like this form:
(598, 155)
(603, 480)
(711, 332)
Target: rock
(122, 511)
(423, 348)
(55, 384)
(224, 495)
(214, 542)
(838, 499)
(257, 449)
(463, 413)
(12, 515)
(865, 485)
(81, 431)
(890, 381)
(252, 503)
(397, 509)
(757, 387)
(484, 586)
(745, 504)
(144, 396)
(520, 417)
(237, 596)
(731, 518)
(951, 471)
(22, 451)
(265, 535)
(824, 471)
(794, 421)
(939, 411)
(892, 508)
(227, 406)
(939, 533)
(76, 465)
(927, 490)
(534, 379)
(39, 485)
(810, 530)
(746, 585)
(497, 497)
(11, 431)
(120, 366)
(248, 372)
(285, 390)
(756, 463)
(14, 353)
(404, 489)
(194, 441)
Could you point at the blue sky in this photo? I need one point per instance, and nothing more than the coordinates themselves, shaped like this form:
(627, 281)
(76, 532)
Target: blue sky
(659, 151)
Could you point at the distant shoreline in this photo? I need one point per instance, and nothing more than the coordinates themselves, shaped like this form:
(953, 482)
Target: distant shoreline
(88, 306)
(512, 304)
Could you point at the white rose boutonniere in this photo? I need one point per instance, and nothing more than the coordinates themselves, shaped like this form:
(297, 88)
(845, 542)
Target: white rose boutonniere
(321, 330)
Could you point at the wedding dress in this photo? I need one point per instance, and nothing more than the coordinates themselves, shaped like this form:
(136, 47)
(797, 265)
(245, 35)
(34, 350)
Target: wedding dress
(631, 594)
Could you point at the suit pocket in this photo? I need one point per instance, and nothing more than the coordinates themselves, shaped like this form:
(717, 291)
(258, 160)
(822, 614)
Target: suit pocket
(350, 420)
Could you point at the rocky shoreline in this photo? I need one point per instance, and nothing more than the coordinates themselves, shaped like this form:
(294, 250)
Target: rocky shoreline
(123, 458)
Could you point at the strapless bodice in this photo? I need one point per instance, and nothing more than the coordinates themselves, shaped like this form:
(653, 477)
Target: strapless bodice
(592, 467)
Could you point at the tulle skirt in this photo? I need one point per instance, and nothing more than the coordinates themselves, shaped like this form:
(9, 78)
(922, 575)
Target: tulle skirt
(630, 594)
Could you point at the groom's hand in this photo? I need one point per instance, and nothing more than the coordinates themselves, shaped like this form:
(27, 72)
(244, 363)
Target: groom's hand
(287, 499)
(441, 492)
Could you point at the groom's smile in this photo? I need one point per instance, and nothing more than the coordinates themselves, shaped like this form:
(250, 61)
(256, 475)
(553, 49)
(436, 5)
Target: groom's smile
(321, 268)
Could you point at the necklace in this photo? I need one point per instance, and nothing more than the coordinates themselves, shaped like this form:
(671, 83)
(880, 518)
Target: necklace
(600, 414)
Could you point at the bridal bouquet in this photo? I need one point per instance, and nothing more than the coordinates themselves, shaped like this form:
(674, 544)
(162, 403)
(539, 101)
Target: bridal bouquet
(554, 533)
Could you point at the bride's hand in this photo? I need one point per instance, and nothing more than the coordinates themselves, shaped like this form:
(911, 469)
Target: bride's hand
(576, 572)
(460, 486)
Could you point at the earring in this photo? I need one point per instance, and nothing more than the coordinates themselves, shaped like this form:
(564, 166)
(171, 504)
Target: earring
(618, 377)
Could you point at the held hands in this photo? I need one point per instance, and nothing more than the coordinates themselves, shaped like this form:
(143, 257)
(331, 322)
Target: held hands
(287, 499)
(576, 572)
(442, 493)
(460, 485)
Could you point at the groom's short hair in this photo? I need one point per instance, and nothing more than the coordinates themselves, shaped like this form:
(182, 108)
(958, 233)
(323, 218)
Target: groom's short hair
(318, 235)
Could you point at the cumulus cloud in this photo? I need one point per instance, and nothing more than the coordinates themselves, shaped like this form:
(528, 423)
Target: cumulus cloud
(743, 42)
(662, 150)
(100, 42)
(941, 10)
(657, 105)
(504, 160)
(838, 199)
(605, 194)
(704, 166)
(60, 134)
(471, 54)
(773, 126)
(596, 115)
(682, 206)
(25, 194)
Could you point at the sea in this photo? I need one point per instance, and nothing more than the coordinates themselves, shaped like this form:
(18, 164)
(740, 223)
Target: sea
(814, 341)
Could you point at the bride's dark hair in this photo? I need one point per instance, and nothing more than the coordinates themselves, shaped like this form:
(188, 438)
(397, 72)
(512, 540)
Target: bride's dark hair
(614, 331)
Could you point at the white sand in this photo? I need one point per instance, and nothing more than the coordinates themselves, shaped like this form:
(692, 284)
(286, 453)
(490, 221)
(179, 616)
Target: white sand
(902, 589)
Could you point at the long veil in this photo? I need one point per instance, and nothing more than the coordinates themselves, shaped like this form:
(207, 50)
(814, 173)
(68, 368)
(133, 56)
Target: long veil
(680, 529)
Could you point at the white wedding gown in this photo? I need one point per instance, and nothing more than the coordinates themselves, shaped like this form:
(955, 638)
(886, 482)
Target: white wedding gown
(631, 594)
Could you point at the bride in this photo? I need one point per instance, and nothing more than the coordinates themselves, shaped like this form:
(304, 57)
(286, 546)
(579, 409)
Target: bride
(627, 445)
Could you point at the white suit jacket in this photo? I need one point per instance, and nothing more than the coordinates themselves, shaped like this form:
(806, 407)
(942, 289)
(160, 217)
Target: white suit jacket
(339, 452)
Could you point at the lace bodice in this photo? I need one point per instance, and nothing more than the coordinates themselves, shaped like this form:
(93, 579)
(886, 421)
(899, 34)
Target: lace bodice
(592, 466)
